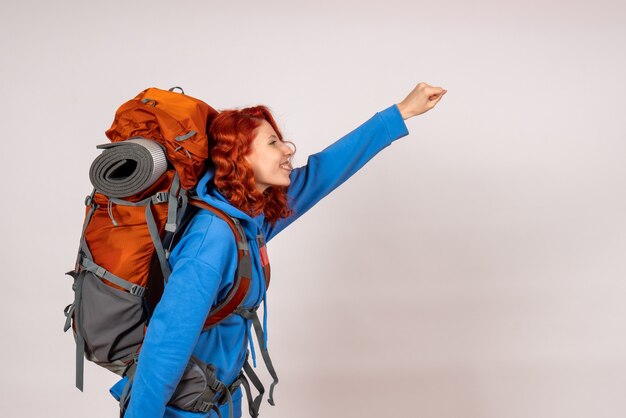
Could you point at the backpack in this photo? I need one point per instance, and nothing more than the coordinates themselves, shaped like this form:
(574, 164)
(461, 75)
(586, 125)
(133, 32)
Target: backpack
(137, 211)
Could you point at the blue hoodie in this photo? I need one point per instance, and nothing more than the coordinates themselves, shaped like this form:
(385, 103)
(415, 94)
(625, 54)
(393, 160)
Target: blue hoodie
(203, 269)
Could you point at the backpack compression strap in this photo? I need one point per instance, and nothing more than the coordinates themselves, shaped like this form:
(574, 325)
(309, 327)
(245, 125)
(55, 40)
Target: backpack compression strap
(243, 278)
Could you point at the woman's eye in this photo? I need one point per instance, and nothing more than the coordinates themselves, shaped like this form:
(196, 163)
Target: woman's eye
(272, 143)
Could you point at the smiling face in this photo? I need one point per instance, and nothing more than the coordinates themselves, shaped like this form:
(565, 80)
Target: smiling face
(269, 157)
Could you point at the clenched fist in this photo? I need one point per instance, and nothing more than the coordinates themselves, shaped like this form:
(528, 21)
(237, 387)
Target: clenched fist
(423, 98)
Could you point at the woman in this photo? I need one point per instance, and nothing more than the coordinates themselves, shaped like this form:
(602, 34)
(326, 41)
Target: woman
(251, 179)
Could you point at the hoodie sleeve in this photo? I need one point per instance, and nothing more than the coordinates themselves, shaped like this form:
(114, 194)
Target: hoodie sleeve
(198, 270)
(328, 169)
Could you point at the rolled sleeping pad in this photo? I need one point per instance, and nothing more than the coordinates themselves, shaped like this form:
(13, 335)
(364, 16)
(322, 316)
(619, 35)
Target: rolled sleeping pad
(127, 167)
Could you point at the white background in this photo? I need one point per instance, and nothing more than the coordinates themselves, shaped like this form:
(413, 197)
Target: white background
(473, 269)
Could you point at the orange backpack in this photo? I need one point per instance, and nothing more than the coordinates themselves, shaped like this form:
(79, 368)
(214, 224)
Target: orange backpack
(122, 262)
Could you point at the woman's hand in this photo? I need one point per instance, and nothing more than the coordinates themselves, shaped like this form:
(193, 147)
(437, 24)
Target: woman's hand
(423, 98)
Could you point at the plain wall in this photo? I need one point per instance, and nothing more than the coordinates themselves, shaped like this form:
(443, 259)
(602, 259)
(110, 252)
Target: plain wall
(473, 269)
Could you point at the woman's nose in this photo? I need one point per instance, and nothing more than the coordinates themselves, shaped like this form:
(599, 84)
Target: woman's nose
(287, 150)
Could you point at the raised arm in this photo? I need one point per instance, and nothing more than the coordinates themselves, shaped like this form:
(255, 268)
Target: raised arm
(328, 169)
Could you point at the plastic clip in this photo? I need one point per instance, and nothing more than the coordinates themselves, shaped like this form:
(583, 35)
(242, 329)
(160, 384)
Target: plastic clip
(137, 290)
(205, 407)
(160, 197)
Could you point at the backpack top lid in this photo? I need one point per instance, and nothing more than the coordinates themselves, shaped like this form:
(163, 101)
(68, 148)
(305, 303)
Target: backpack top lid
(176, 121)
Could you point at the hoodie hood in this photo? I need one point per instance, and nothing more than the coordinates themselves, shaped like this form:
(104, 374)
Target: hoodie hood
(207, 191)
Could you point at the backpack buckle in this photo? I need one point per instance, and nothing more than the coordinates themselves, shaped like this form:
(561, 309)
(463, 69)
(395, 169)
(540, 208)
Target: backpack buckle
(205, 407)
(137, 290)
(160, 197)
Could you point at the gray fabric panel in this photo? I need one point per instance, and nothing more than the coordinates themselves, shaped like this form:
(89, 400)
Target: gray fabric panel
(190, 388)
(110, 320)
(199, 390)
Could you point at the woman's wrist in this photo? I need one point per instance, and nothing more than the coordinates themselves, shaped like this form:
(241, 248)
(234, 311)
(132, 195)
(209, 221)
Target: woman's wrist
(403, 111)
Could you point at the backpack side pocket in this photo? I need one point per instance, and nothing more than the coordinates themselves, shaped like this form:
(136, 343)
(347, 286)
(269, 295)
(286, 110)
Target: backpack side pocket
(110, 320)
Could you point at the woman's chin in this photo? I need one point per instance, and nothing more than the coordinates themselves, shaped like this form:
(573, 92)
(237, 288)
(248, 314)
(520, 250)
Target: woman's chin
(285, 182)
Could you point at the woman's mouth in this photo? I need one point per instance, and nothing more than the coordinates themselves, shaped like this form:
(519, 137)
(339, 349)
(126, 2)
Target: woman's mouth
(286, 166)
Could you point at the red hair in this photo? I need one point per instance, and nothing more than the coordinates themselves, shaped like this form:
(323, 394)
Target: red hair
(230, 138)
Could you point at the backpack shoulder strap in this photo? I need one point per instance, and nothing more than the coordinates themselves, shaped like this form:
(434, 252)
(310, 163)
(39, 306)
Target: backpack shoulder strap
(241, 286)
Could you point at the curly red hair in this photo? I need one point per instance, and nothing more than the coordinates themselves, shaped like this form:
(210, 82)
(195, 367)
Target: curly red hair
(230, 137)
